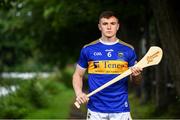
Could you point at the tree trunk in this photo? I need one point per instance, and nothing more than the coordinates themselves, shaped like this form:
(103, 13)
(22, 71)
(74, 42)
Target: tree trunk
(167, 15)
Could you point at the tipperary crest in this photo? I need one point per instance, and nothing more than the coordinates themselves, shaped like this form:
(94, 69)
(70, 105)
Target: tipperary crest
(120, 54)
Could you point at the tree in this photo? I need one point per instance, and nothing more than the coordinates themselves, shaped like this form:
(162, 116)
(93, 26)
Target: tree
(167, 18)
(55, 31)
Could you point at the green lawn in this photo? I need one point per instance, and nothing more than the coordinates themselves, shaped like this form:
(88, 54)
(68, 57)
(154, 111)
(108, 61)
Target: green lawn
(139, 111)
(59, 107)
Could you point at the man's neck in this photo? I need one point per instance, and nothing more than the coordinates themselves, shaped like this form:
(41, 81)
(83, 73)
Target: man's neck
(109, 41)
(112, 39)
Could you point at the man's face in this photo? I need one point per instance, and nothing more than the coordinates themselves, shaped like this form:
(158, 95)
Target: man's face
(108, 26)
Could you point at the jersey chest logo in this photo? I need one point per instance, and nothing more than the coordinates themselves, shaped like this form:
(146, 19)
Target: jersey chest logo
(107, 67)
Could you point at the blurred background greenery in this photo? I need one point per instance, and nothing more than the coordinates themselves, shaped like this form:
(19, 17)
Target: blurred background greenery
(40, 43)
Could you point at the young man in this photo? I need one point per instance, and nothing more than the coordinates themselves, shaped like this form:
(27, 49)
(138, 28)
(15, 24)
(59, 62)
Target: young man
(105, 59)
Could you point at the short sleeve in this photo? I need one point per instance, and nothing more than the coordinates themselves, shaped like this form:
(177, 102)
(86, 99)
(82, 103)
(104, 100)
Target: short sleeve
(132, 58)
(83, 60)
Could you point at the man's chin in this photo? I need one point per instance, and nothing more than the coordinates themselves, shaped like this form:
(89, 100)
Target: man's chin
(109, 36)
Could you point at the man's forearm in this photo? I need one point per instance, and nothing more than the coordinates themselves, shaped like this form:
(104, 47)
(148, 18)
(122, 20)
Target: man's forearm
(136, 75)
(136, 79)
(77, 85)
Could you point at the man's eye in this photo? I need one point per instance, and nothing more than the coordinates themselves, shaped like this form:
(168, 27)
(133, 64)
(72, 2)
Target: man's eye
(113, 23)
(104, 23)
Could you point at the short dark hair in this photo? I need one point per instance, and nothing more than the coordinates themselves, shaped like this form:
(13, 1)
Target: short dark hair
(107, 14)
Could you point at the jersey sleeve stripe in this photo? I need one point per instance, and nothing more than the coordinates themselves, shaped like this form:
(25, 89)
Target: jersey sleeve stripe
(126, 44)
(94, 42)
(80, 67)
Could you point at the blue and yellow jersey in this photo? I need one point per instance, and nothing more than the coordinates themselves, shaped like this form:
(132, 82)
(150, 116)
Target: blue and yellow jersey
(105, 62)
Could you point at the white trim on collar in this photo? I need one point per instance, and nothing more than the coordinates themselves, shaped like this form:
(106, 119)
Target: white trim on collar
(80, 67)
(109, 43)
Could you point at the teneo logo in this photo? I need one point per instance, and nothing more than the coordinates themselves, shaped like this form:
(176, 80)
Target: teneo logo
(108, 64)
(97, 53)
(96, 64)
(107, 67)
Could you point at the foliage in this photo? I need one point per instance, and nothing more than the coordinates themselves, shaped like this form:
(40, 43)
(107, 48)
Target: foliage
(32, 95)
(36, 35)
(67, 76)
(13, 107)
(54, 31)
(59, 107)
(18, 104)
(140, 111)
(150, 111)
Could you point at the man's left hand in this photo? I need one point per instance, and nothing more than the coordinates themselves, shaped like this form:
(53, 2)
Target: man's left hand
(136, 71)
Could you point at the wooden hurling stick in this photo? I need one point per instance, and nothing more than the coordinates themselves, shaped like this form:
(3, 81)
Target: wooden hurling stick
(152, 57)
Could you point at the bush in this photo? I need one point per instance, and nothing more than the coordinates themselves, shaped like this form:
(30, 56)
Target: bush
(13, 106)
(29, 95)
(35, 93)
(67, 76)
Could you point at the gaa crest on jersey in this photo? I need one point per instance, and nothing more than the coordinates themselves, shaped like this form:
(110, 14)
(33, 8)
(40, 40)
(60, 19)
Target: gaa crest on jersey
(97, 54)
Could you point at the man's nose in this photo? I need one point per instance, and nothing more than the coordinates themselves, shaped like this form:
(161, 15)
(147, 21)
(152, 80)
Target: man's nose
(109, 26)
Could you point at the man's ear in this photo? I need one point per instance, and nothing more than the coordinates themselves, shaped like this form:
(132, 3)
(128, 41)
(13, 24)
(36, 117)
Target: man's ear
(118, 26)
(99, 26)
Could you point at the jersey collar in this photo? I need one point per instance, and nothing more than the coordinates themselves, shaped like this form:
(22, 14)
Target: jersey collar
(109, 43)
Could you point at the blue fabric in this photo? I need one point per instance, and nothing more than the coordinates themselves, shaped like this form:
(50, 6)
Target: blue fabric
(114, 98)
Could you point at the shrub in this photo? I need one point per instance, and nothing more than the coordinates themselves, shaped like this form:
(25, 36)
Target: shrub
(67, 76)
(13, 106)
(29, 95)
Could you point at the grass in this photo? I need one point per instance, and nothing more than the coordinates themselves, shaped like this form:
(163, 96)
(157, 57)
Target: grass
(59, 107)
(41, 99)
(149, 110)
(139, 111)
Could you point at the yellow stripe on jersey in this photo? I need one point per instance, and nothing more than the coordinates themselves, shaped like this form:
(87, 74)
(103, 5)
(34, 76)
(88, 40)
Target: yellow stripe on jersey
(126, 44)
(93, 42)
(107, 67)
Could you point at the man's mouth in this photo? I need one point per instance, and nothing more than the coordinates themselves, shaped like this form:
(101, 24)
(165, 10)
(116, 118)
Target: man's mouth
(109, 32)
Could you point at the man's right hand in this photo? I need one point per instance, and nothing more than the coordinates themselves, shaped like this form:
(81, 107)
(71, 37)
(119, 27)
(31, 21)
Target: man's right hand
(82, 98)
